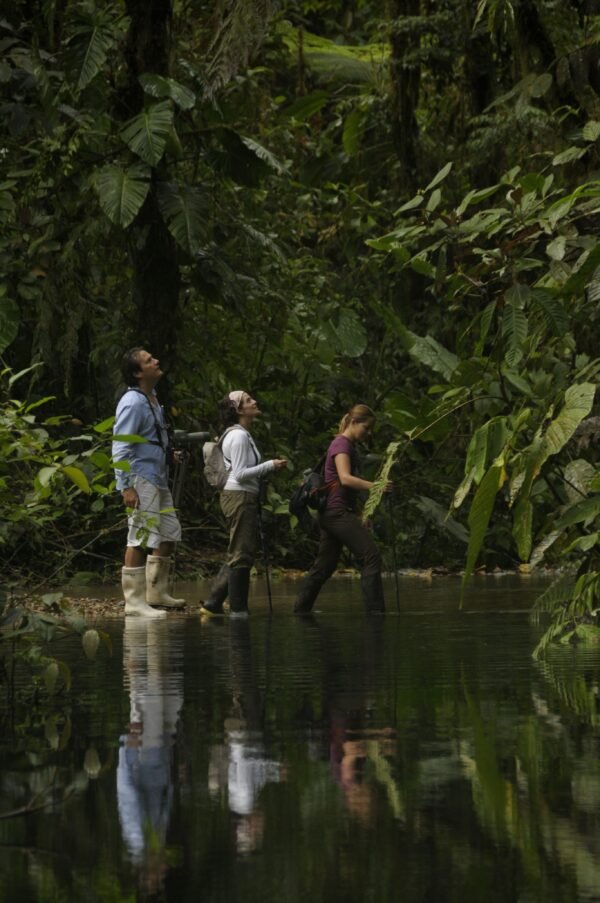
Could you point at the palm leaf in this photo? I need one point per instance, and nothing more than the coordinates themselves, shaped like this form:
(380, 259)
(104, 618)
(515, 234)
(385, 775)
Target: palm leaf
(146, 135)
(184, 210)
(377, 491)
(122, 192)
(263, 154)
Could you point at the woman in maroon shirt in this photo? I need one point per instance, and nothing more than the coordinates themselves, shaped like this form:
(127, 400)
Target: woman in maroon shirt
(340, 525)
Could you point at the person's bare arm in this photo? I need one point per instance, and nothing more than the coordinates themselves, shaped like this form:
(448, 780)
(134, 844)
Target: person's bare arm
(346, 478)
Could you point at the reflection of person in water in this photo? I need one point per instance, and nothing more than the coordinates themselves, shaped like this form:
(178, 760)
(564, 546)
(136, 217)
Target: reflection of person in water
(144, 772)
(360, 750)
(241, 764)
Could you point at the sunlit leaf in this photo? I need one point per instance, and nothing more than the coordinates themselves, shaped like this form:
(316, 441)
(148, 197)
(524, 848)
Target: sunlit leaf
(78, 477)
(105, 425)
(522, 525)
(440, 176)
(480, 513)
(591, 130)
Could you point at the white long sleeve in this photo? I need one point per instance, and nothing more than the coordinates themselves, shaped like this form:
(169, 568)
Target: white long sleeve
(243, 460)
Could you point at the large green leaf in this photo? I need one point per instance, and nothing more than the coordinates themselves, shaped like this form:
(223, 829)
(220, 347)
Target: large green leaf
(158, 86)
(122, 192)
(305, 107)
(352, 338)
(522, 527)
(146, 134)
(185, 211)
(577, 405)
(94, 32)
(428, 351)
(480, 513)
(585, 511)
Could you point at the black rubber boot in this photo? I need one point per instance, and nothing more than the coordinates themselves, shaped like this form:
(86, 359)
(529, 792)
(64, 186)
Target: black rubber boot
(372, 593)
(239, 584)
(218, 593)
(306, 597)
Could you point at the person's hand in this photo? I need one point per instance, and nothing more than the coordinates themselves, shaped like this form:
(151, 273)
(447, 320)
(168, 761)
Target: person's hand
(389, 486)
(130, 497)
(280, 463)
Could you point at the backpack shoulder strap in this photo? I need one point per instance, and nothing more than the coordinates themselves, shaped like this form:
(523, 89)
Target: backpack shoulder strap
(159, 439)
(228, 430)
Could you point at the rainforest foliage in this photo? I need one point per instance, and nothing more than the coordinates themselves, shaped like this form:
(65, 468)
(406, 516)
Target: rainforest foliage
(322, 201)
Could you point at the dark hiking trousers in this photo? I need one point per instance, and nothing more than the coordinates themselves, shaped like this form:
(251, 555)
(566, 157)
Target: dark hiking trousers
(339, 528)
(241, 513)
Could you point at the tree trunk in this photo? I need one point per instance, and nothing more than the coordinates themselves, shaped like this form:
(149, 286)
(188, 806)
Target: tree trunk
(406, 75)
(152, 249)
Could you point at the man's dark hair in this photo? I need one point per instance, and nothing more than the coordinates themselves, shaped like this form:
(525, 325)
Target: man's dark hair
(130, 366)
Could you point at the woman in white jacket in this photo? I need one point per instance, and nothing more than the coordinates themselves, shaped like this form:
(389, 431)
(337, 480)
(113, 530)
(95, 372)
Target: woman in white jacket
(239, 502)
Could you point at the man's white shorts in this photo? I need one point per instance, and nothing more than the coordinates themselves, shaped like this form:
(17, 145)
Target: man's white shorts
(155, 520)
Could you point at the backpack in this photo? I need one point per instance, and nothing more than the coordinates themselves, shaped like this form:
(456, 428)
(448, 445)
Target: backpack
(312, 491)
(215, 472)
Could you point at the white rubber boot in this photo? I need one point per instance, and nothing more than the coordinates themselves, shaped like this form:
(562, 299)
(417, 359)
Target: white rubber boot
(133, 581)
(157, 579)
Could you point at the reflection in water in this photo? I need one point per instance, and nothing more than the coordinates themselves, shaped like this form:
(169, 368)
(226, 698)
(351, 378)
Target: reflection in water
(241, 764)
(152, 674)
(422, 757)
(360, 755)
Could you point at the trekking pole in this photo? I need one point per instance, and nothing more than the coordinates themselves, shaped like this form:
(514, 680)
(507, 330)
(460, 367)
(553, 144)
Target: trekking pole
(394, 555)
(263, 542)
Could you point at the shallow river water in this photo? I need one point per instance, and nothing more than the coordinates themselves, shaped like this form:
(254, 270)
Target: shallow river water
(420, 757)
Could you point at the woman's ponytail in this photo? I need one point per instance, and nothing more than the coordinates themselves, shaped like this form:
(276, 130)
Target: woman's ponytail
(358, 413)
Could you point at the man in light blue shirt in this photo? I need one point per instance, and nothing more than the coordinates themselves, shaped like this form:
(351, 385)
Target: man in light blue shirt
(141, 440)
